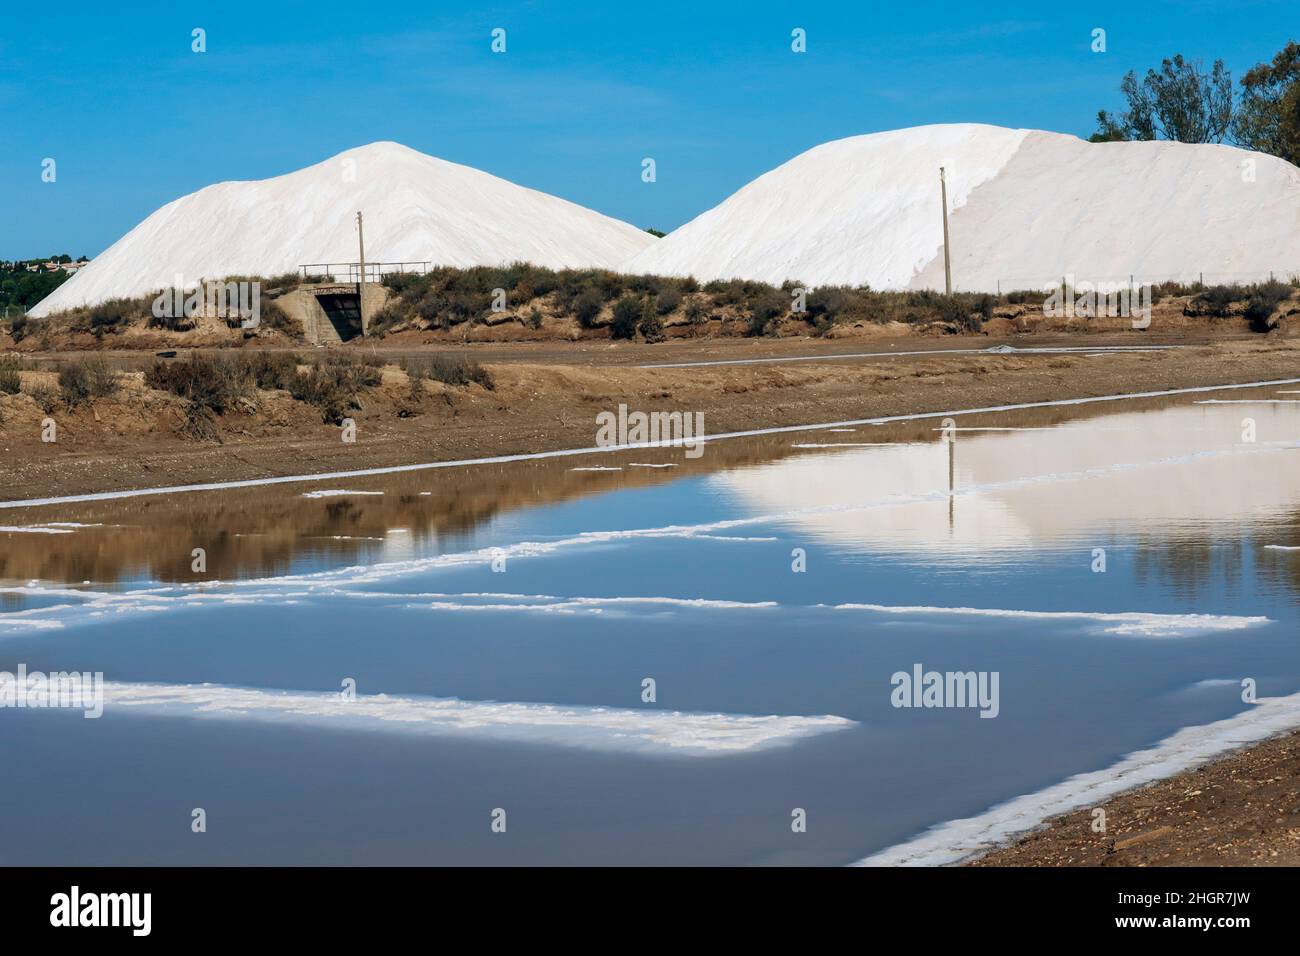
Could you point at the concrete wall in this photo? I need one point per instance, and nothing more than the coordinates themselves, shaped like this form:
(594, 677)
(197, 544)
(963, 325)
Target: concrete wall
(305, 304)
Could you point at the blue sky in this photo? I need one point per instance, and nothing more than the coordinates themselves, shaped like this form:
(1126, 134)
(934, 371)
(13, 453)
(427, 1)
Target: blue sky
(713, 92)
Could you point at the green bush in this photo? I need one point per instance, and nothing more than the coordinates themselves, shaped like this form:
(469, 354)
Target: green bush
(764, 307)
(627, 316)
(967, 311)
(401, 282)
(667, 300)
(587, 306)
(696, 314)
(651, 325)
(1264, 299)
(1217, 300)
(827, 302)
(393, 314)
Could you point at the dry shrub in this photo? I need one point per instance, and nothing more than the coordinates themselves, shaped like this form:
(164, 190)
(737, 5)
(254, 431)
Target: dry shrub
(80, 380)
(455, 370)
(211, 383)
(334, 385)
(10, 381)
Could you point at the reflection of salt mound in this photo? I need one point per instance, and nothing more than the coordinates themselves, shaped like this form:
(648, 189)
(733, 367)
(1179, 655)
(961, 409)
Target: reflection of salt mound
(1026, 208)
(417, 208)
(1159, 473)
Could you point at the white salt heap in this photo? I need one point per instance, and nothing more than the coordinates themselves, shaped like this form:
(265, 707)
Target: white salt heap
(1025, 208)
(416, 208)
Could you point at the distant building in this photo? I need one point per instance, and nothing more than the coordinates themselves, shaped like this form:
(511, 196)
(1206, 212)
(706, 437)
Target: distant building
(49, 266)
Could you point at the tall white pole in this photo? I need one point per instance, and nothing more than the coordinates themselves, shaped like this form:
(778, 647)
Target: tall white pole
(947, 261)
(361, 274)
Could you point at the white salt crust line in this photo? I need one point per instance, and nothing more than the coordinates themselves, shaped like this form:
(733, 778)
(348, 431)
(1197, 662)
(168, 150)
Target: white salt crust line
(1126, 623)
(337, 493)
(592, 605)
(568, 452)
(959, 840)
(1142, 624)
(601, 728)
(1007, 350)
(857, 444)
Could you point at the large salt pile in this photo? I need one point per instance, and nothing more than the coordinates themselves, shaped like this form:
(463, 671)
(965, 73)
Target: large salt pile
(1025, 209)
(416, 208)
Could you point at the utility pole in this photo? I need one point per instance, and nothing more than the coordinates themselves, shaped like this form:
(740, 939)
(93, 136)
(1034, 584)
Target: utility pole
(361, 274)
(947, 261)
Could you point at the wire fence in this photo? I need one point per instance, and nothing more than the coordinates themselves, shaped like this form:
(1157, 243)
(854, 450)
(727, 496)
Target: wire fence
(1072, 280)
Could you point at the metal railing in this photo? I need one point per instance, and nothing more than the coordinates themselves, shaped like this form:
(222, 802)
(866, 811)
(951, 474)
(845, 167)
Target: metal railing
(349, 271)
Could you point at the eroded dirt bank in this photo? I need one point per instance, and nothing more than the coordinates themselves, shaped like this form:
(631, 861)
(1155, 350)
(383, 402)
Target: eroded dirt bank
(1241, 810)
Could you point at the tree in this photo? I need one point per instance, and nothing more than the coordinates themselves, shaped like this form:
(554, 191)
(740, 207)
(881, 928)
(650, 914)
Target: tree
(1109, 129)
(1182, 102)
(1268, 119)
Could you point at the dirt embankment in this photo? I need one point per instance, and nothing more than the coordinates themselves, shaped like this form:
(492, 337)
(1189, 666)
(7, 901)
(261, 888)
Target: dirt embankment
(136, 437)
(527, 305)
(1242, 810)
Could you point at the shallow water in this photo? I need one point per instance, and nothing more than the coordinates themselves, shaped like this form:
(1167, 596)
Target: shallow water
(541, 597)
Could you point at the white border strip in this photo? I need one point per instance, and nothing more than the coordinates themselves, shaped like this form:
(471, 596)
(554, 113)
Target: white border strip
(959, 840)
(566, 452)
(685, 733)
(1007, 350)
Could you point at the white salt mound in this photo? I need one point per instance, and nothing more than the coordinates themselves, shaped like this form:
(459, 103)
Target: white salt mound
(417, 208)
(1025, 208)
